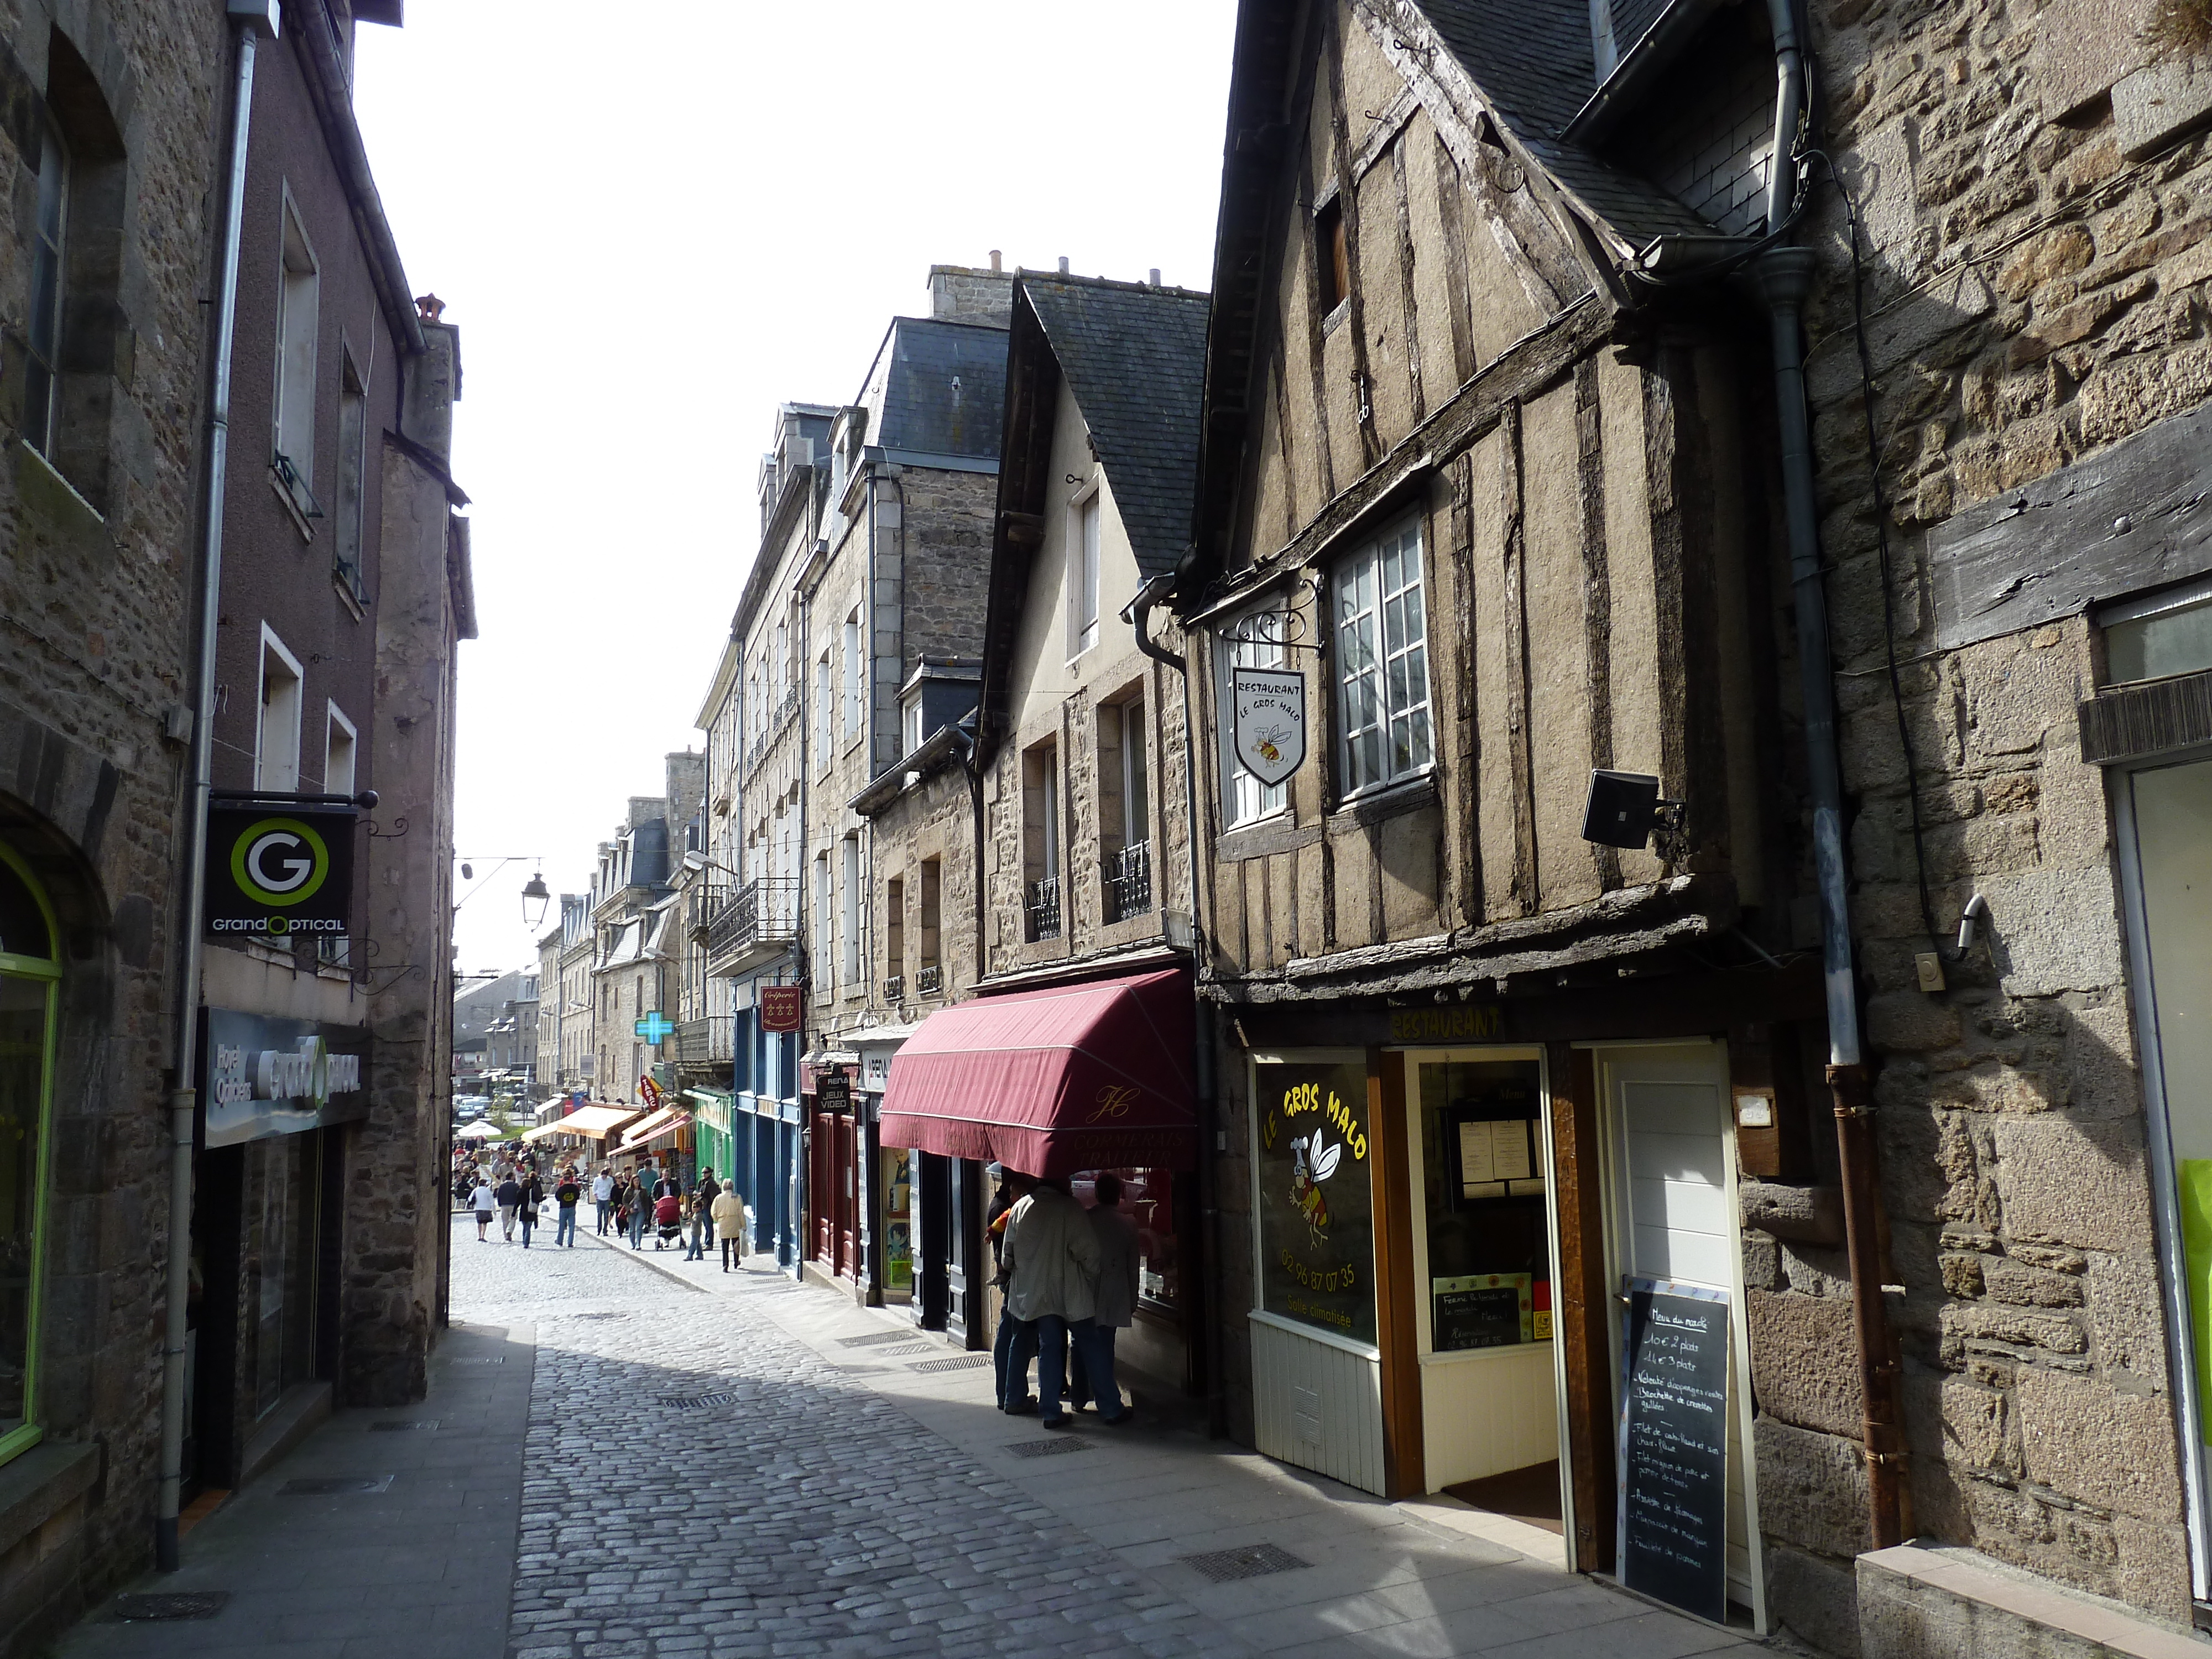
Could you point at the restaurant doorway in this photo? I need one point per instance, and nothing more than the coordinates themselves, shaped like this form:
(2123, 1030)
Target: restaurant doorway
(1482, 1229)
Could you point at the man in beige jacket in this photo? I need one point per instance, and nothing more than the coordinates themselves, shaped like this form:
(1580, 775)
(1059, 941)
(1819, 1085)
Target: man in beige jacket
(1051, 1259)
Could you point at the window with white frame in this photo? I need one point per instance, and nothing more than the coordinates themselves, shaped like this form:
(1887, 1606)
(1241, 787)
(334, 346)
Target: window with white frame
(853, 673)
(276, 735)
(353, 472)
(850, 913)
(824, 710)
(1382, 662)
(822, 957)
(1248, 643)
(298, 307)
(43, 334)
(341, 746)
(1083, 576)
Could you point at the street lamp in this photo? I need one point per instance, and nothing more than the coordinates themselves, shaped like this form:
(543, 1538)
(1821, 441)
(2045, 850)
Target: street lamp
(535, 897)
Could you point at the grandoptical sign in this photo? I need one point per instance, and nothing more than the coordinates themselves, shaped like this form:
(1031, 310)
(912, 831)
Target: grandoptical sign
(1270, 720)
(275, 871)
(272, 1077)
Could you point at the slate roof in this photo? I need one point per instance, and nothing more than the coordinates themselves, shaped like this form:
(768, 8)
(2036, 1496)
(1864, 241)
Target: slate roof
(1134, 358)
(1535, 59)
(944, 388)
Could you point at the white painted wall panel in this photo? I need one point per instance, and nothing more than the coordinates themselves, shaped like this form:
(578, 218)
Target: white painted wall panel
(1317, 1405)
(1488, 1413)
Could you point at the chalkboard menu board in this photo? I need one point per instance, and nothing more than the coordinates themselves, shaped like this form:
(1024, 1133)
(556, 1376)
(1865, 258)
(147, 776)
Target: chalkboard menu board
(1481, 1310)
(1674, 1445)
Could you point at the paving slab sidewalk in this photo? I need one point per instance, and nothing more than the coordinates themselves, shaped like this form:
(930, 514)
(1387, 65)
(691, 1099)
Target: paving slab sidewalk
(423, 1568)
(1427, 1577)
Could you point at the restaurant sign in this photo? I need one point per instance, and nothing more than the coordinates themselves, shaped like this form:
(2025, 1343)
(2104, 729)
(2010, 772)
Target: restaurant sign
(1270, 722)
(272, 872)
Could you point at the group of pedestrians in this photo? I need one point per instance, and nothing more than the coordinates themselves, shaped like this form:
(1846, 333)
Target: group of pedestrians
(1070, 1278)
(517, 1199)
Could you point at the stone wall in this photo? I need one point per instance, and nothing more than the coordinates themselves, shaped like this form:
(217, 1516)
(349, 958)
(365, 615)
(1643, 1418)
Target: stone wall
(2035, 252)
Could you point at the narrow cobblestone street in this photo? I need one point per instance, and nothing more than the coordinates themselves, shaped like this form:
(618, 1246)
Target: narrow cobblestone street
(737, 1465)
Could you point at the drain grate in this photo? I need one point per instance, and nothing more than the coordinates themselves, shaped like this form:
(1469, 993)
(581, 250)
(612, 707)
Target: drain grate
(959, 1362)
(496, 1359)
(860, 1370)
(599, 1316)
(401, 1428)
(1253, 1561)
(172, 1605)
(902, 1351)
(329, 1486)
(874, 1339)
(1057, 1446)
(696, 1402)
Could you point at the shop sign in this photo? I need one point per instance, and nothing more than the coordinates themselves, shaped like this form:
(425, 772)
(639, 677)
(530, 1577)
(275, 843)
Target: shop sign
(1270, 722)
(875, 1070)
(782, 1008)
(833, 1091)
(271, 873)
(1317, 1195)
(262, 1076)
(1479, 1022)
(649, 1089)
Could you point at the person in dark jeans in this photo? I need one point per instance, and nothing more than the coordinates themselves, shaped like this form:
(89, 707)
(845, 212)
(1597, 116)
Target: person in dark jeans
(567, 1193)
(534, 1194)
(1014, 1349)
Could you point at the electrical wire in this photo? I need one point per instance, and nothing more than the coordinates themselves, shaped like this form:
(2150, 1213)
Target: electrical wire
(1882, 550)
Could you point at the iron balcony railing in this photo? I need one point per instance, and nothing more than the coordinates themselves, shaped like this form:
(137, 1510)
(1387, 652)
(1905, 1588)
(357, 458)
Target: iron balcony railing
(706, 903)
(930, 981)
(706, 1041)
(1129, 873)
(895, 989)
(761, 913)
(1044, 909)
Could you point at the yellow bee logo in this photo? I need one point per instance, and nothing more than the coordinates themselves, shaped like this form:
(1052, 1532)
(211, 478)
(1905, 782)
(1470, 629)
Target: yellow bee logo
(1313, 1161)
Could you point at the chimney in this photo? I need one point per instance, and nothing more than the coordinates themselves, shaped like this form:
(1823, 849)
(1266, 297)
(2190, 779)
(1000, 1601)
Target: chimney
(1063, 265)
(995, 258)
(1154, 279)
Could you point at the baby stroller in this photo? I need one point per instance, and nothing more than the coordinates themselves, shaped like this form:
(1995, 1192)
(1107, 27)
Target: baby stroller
(668, 1223)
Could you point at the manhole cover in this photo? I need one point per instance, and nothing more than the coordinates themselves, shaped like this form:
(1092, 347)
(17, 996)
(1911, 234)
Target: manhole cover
(696, 1402)
(959, 1362)
(402, 1428)
(873, 1339)
(1253, 1561)
(175, 1604)
(1055, 1447)
(329, 1485)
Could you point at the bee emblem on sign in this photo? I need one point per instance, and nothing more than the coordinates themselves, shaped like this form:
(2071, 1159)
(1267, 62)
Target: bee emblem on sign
(1313, 1161)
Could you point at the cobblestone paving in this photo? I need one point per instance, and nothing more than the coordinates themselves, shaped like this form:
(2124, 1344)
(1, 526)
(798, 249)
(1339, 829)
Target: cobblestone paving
(804, 1516)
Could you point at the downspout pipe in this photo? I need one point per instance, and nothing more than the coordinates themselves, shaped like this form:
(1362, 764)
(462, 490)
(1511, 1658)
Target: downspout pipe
(1784, 274)
(248, 21)
(1139, 614)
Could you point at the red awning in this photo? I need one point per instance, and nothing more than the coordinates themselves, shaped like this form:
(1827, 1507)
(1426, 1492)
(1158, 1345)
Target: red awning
(1095, 1076)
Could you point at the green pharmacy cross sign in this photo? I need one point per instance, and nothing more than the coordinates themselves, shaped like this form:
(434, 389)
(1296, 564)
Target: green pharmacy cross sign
(654, 1028)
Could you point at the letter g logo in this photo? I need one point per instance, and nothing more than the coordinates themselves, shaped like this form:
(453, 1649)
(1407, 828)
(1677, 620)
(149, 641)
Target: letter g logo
(279, 862)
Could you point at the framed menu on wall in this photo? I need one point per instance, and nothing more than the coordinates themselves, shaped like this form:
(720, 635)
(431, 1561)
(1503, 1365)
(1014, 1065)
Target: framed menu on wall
(1316, 1196)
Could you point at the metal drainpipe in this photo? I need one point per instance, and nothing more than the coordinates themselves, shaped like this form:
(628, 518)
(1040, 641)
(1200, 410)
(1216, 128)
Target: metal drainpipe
(183, 1097)
(1785, 277)
(1209, 1197)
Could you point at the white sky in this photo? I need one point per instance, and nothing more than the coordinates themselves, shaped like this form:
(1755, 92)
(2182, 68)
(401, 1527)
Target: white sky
(652, 234)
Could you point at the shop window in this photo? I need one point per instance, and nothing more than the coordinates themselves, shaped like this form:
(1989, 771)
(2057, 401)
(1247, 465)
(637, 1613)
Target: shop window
(1381, 663)
(276, 738)
(1483, 1203)
(1315, 1199)
(1148, 1200)
(291, 440)
(1247, 643)
(29, 967)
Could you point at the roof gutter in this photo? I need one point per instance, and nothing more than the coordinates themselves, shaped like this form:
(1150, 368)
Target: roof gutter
(1659, 47)
(333, 100)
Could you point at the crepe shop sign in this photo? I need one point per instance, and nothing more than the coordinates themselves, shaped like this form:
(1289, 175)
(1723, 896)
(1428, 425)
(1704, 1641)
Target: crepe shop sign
(1304, 1097)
